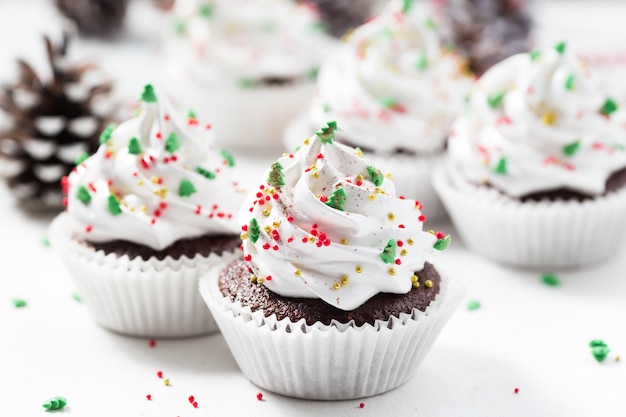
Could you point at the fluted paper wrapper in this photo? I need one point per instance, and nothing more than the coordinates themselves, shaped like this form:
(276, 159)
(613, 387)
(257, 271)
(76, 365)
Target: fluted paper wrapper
(328, 362)
(544, 234)
(411, 173)
(151, 298)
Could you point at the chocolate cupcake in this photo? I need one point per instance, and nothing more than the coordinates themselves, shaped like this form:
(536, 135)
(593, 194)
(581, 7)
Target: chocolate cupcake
(537, 164)
(335, 272)
(148, 213)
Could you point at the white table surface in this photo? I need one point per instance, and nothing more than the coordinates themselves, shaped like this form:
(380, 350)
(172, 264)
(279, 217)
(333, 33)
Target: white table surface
(526, 335)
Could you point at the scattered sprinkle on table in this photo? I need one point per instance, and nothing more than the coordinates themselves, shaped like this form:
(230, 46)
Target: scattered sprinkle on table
(473, 305)
(19, 302)
(550, 279)
(599, 349)
(149, 397)
(152, 343)
(259, 396)
(76, 297)
(516, 390)
(362, 405)
(55, 403)
(45, 241)
(160, 374)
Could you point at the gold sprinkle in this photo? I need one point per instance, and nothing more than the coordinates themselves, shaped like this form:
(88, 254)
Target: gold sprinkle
(253, 279)
(297, 272)
(391, 217)
(307, 141)
(166, 381)
(311, 239)
(360, 177)
(549, 118)
(416, 284)
(276, 224)
(272, 191)
(267, 229)
(161, 192)
(266, 212)
(132, 209)
(285, 154)
(392, 271)
(359, 153)
(143, 208)
(140, 182)
(154, 179)
(389, 175)
(372, 197)
(344, 241)
(243, 236)
(345, 280)
(315, 175)
(414, 278)
(260, 281)
(403, 252)
(428, 283)
(313, 167)
(359, 269)
(410, 242)
(431, 231)
(337, 285)
(617, 358)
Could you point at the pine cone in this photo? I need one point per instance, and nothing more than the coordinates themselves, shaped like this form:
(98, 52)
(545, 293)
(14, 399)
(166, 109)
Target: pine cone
(485, 31)
(50, 124)
(95, 17)
(343, 15)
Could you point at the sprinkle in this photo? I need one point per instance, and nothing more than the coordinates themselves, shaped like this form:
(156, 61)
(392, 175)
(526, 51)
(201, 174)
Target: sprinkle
(391, 217)
(191, 399)
(166, 382)
(358, 269)
(421, 218)
(152, 343)
(403, 252)
(549, 118)
(266, 212)
(410, 242)
(134, 147)
(415, 281)
(230, 160)
(171, 143)
(205, 173)
(149, 397)
(599, 349)
(160, 374)
(254, 231)
(609, 106)
(186, 188)
(83, 195)
(550, 280)
(422, 62)
(501, 167)
(259, 396)
(55, 403)
(442, 243)
(534, 55)
(19, 302)
(516, 391)
(495, 100)
(337, 285)
(275, 177)
(569, 82)
(327, 134)
(148, 94)
(391, 271)
(376, 175)
(560, 47)
(406, 5)
(344, 241)
(113, 205)
(297, 272)
(473, 305)
(76, 297)
(105, 136)
(88, 228)
(361, 405)
(337, 199)
(345, 280)
(389, 252)
(428, 283)
(194, 404)
(372, 197)
(572, 148)
(206, 10)
(81, 158)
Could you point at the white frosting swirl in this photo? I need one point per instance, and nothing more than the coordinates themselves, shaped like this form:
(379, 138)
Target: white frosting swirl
(243, 41)
(537, 122)
(154, 181)
(392, 86)
(323, 233)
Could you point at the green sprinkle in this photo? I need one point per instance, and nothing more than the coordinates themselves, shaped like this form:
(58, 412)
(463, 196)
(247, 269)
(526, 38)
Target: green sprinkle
(83, 195)
(148, 94)
(180, 27)
(572, 148)
(337, 199)
(599, 349)
(105, 136)
(313, 73)
(134, 147)
(275, 177)
(171, 143)
(327, 134)
(495, 100)
(254, 231)
(191, 114)
(326, 108)
(388, 102)
(619, 146)
(501, 167)
(81, 158)
(45, 242)
(473, 305)
(430, 24)
(388, 254)
(186, 188)
(422, 62)
(534, 55)
(406, 5)
(569, 82)
(560, 47)
(443, 243)
(376, 175)
(206, 10)
(609, 106)
(246, 83)
(230, 159)
(550, 279)
(55, 403)
(319, 27)
(19, 302)
(76, 297)
(205, 173)
(113, 205)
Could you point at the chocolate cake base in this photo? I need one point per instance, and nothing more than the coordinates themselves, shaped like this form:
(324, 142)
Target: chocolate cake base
(234, 282)
(204, 245)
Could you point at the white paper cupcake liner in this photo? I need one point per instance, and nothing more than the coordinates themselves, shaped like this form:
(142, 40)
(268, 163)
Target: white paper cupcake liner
(328, 362)
(411, 173)
(544, 234)
(135, 297)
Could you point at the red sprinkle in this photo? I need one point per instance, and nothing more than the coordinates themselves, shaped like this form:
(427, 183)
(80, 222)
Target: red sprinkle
(158, 135)
(400, 243)
(166, 117)
(266, 246)
(362, 405)
(149, 397)
(516, 391)
(398, 261)
(88, 228)
(195, 404)
(422, 218)
(191, 399)
(152, 343)
(160, 374)
(247, 258)
(259, 396)
(290, 219)
(268, 278)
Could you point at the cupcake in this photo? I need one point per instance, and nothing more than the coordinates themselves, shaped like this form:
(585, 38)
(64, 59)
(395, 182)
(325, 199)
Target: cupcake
(227, 58)
(395, 92)
(147, 214)
(335, 296)
(537, 164)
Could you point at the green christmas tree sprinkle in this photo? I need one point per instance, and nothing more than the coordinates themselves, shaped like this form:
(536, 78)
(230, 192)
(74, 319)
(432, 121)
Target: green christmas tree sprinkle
(473, 305)
(105, 136)
(55, 403)
(83, 195)
(495, 100)
(534, 55)
(113, 205)
(501, 167)
(230, 159)
(443, 243)
(148, 94)
(19, 302)
(186, 188)
(572, 148)
(171, 143)
(327, 134)
(81, 158)
(406, 5)
(254, 231)
(134, 147)
(599, 349)
(422, 62)
(275, 177)
(376, 175)
(560, 47)
(569, 82)
(337, 199)
(205, 173)
(388, 255)
(550, 279)
(609, 106)
(191, 114)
